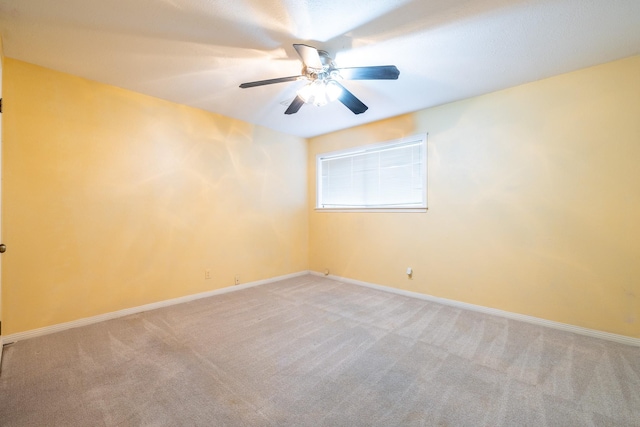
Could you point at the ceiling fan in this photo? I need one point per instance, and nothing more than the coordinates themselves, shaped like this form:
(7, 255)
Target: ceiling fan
(323, 76)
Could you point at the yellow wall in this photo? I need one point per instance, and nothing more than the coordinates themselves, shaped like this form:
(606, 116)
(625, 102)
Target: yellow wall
(534, 203)
(113, 199)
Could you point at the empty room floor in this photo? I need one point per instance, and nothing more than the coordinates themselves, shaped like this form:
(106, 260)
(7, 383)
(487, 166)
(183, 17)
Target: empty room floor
(312, 351)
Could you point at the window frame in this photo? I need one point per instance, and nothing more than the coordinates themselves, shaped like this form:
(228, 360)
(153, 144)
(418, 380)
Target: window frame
(368, 148)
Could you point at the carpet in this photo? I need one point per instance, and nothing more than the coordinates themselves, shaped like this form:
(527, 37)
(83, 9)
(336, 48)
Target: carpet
(312, 351)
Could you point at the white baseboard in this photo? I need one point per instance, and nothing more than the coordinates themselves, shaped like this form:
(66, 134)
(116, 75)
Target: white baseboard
(458, 304)
(623, 339)
(11, 338)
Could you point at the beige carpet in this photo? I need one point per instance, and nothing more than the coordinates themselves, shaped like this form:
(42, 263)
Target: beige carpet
(311, 351)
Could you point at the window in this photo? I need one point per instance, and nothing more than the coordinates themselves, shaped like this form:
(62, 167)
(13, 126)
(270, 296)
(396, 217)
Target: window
(387, 176)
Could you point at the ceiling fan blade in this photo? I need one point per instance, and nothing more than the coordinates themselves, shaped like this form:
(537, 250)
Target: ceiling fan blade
(351, 102)
(310, 56)
(271, 81)
(381, 72)
(294, 106)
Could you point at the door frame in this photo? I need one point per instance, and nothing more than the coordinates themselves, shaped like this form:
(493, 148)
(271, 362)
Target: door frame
(1, 114)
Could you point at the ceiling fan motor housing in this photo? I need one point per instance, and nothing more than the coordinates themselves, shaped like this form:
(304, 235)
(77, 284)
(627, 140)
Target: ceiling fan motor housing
(327, 71)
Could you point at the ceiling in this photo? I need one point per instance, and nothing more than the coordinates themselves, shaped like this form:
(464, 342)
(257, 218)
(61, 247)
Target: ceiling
(197, 52)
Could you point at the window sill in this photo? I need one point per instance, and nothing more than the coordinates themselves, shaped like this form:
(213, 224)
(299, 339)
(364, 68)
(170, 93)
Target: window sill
(373, 210)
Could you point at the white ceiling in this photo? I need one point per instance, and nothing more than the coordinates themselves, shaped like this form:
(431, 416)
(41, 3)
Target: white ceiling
(197, 52)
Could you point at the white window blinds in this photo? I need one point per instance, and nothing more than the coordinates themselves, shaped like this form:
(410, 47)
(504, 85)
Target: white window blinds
(389, 175)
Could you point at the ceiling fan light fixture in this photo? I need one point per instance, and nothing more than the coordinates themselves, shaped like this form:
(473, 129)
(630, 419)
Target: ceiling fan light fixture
(307, 93)
(314, 93)
(320, 92)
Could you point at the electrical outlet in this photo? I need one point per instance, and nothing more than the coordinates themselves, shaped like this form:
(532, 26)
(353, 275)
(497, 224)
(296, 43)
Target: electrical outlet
(207, 274)
(237, 279)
